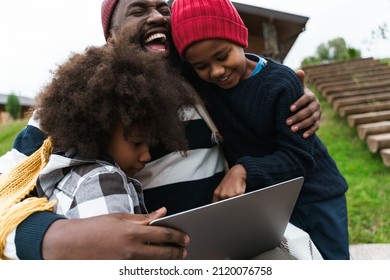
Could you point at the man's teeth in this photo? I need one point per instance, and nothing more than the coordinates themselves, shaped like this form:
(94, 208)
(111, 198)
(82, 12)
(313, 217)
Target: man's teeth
(156, 36)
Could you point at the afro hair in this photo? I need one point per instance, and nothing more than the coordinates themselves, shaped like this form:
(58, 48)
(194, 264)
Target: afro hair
(92, 91)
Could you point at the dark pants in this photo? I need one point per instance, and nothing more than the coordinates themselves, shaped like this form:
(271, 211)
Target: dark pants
(327, 224)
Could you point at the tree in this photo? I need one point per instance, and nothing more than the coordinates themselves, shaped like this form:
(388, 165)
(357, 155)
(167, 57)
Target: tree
(13, 106)
(333, 50)
(382, 32)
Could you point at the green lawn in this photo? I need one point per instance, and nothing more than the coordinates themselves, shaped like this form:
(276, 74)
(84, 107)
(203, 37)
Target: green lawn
(8, 133)
(369, 180)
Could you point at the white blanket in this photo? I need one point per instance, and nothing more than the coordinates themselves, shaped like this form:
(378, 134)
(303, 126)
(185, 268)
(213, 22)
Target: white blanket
(298, 243)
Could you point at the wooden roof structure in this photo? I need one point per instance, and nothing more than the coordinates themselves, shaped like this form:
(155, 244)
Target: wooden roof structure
(271, 33)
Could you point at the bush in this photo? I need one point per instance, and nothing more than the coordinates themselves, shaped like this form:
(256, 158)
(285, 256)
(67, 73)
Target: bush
(334, 50)
(13, 106)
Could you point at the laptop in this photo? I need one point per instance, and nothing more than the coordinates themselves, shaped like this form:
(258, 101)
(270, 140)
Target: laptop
(240, 227)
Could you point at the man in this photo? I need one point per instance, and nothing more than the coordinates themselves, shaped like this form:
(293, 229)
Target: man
(170, 180)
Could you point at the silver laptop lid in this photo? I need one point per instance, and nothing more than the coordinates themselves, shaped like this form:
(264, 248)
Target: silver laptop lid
(240, 227)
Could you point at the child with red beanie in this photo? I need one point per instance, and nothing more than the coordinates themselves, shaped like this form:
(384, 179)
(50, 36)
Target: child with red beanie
(249, 105)
(192, 180)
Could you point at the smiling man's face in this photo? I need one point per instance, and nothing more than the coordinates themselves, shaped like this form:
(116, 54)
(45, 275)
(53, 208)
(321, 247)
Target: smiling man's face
(149, 20)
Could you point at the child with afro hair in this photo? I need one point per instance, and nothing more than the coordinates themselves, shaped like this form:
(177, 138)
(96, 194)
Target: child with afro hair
(101, 111)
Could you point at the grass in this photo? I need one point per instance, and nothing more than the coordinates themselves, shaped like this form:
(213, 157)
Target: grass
(385, 60)
(368, 196)
(8, 132)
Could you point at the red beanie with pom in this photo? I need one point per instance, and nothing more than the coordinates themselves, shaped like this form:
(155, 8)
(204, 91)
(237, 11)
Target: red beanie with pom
(108, 7)
(197, 20)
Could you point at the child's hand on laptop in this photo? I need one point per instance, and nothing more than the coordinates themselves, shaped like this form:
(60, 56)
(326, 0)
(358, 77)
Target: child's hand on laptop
(233, 184)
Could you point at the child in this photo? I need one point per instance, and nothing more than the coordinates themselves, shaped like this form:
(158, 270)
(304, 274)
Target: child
(249, 106)
(101, 111)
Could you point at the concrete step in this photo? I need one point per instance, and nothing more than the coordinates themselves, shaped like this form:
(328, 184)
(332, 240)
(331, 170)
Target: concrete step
(375, 251)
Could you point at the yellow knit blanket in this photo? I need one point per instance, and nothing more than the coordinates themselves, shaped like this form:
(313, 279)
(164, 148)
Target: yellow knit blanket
(15, 186)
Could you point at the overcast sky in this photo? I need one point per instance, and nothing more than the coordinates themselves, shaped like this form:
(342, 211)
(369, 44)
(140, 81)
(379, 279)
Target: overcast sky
(37, 35)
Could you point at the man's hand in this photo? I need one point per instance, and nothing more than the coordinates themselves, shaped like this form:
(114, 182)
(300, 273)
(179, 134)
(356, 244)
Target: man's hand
(113, 236)
(307, 111)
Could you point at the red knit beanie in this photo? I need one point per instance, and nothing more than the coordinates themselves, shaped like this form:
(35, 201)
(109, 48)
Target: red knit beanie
(108, 7)
(196, 20)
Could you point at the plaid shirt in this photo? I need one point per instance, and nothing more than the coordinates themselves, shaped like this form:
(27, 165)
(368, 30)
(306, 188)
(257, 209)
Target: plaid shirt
(86, 188)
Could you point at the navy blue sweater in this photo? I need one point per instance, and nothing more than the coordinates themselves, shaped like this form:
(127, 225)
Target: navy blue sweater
(251, 118)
